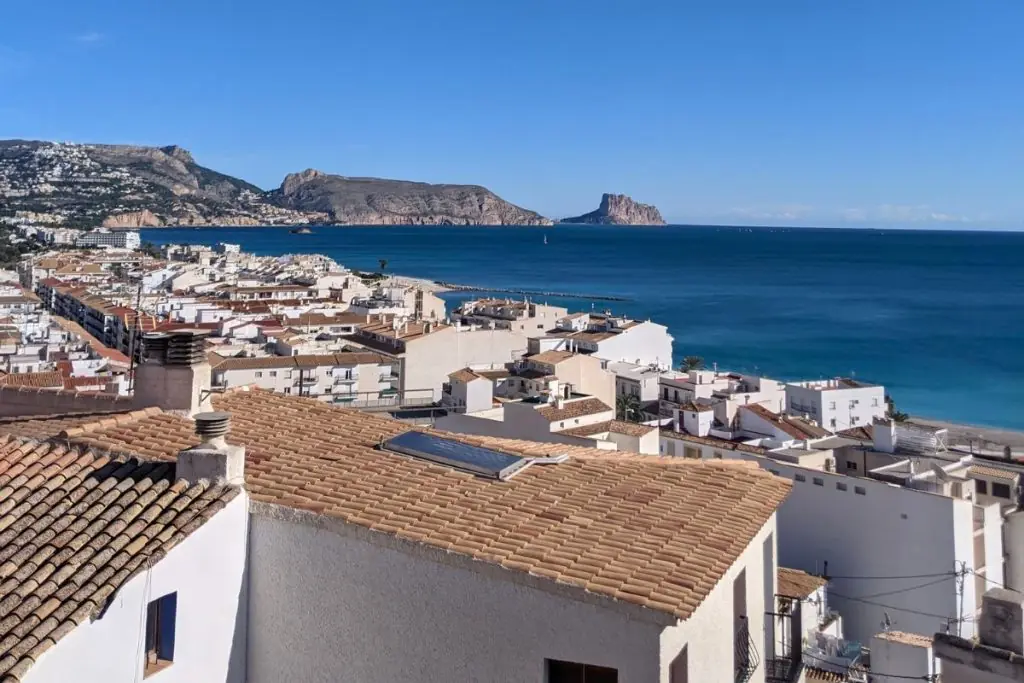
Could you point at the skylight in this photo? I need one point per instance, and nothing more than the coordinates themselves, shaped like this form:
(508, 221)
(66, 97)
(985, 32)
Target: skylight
(475, 459)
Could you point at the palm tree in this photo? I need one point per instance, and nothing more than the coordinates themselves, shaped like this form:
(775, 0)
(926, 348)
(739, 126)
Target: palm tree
(627, 407)
(691, 363)
(383, 265)
(895, 413)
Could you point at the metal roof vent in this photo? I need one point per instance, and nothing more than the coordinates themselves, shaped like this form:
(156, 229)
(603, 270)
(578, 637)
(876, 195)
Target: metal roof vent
(155, 346)
(186, 347)
(212, 426)
(483, 462)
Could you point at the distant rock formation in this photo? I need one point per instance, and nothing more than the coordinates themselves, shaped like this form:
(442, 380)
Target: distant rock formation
(132, 219)
(618, 209)
(379, 201)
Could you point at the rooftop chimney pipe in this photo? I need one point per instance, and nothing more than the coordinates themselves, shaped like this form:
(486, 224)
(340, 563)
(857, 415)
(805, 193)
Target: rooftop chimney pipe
(214, 459)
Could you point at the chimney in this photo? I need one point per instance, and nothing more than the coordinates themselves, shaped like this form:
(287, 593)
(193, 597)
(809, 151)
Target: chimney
(1002, 620)
(174, 374)
(213, 458)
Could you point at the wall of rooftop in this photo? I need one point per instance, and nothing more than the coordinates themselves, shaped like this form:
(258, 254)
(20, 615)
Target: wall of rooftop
(207, 570)
(16, 402)
(347, 604)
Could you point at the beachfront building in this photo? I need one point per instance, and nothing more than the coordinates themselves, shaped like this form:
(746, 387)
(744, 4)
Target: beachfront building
(724, 392)
(609, 337)
(347, 378)
(101, 237)
(836, 404)
(474, 569)
(526, 317)
(851, 502)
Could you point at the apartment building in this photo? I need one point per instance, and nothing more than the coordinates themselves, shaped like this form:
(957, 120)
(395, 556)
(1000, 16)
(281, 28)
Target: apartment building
(611, 338)
(463, 557)
(430, 351)
(118, 239)
(724, 392)
(849, 511)
(534, 374)
(641, 381)
(526, 317)
(343, 378)
(837, 404)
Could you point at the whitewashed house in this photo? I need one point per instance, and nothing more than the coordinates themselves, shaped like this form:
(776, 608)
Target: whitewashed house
(837, 404)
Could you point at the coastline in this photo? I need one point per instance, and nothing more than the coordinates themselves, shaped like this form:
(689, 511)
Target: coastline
(986, 440)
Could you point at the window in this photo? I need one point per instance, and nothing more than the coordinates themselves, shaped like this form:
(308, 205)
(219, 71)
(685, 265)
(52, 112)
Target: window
(288, 374)
(571, 672)
(840, 486)
(718, 455)
(1001, 490)
(832, 423)
(831, 405)
(819, 481)
(799, 477)
(860, 490)
(874, 403)
(691, 452)
(273, 373)
(982, 486)
(287, 390)
(679, 670)
(258, 374)
(160, 618)
(851, 465)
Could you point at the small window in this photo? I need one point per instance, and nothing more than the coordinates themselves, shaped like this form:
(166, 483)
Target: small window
(832, 405)
(799, 477)
(287, 390)
(982, 486)
(851, 465)
(1001, 490)
(819, 481)
(832, 422)
(273, 373)
(160, 618)
(840, 486)
(571, 672)
(860, 490)
(259, 374)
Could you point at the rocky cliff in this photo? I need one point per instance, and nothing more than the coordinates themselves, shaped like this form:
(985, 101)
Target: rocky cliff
(378, 201)
(618, 209)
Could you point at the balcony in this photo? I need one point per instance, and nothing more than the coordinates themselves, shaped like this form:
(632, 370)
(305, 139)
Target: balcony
(342, 379)
(306, 381)
(389, 377)
(745, 657)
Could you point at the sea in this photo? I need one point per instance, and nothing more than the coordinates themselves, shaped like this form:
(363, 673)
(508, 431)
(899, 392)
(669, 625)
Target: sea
(935, 316)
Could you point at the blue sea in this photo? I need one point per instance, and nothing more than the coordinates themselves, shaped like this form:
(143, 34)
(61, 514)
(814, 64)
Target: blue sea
(936, 316)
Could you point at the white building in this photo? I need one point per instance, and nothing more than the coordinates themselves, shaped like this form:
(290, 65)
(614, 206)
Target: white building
(837, 404)
(997, 654)
(101, 237)
(372, 558)
(611, 338)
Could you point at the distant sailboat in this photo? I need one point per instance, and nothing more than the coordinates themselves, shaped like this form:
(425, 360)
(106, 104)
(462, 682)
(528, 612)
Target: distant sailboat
(545, 239)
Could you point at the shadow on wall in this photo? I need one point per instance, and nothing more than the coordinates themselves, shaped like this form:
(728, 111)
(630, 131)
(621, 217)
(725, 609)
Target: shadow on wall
(238, 659)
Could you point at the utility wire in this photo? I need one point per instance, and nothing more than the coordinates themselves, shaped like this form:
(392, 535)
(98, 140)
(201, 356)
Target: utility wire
(872, 671)
(905, 590)
(994, 582)
(884, 578)
(898, 609)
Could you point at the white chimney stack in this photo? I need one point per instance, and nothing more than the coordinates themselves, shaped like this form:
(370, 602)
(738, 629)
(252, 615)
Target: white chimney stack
(213, 459)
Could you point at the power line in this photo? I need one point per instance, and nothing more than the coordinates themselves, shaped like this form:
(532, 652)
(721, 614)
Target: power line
(883, 578)
(906, 590)
(996, 583)
(926, 677)
(898, 609)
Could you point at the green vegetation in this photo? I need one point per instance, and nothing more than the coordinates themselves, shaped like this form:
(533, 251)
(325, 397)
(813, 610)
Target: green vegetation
(691, 363)
(627, 408)
(11, 253)
(383, 265)
(150, 249)
(895, 413)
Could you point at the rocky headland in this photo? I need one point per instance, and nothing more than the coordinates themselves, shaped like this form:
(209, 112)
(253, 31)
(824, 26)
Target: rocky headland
(618, 209)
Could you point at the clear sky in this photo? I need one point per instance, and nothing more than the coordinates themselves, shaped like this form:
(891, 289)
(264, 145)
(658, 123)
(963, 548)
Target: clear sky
(907, 112)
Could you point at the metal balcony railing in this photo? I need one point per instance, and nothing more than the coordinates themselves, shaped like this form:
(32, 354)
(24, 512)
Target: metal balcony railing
(746, 658)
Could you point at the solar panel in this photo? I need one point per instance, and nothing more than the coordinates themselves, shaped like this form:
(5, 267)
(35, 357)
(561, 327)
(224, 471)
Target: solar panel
(463, 456)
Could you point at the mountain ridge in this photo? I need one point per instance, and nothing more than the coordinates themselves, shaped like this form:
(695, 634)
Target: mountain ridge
(130, 186)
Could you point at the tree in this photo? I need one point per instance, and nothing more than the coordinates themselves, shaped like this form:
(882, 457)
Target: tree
(150, 249)
(691, 363)
(895, 414)
(383, 265)
(627, 407)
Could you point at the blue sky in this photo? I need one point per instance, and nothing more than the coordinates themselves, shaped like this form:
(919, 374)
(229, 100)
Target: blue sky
(833, 112)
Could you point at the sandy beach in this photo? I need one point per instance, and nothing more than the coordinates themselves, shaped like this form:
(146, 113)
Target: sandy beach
(989, 440)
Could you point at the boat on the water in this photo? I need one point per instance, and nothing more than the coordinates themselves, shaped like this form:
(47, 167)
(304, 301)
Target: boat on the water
(301, 231)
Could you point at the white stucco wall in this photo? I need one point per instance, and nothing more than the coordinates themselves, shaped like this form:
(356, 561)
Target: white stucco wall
(896, 662)
(708, 633)
(335, 602)
(644, 344)
(207, 570)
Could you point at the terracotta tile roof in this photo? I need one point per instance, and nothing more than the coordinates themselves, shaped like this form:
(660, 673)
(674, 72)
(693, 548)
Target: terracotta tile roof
(863, 433)
(494, 375)
(992, 473)
(465, 375)
(44, 427)
(905, 638)
(76, 526)
(616, 426)
(693, 407)
(571, 409)
(38, 380)
(774, 418)
(551, 357)
(642, 529)
(794, 583)
(815, 675)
